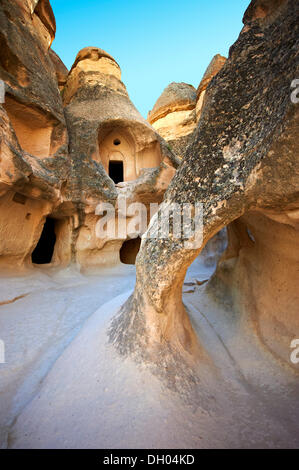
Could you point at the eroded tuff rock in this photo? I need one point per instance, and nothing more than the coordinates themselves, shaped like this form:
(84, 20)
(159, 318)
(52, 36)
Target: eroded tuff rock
(34, 142)
(178, 109)
(173, 115)
(243, 167)
(107, 131)
(214, 67)
(60, 69)
(57, 155)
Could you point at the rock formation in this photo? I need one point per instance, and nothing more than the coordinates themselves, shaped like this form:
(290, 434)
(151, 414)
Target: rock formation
(178, 109)
(114, 151)
(191, 359)
(173, 115)
(34, 142)
(214, 67)
(57, 156)
(60, 69)
(243, 167)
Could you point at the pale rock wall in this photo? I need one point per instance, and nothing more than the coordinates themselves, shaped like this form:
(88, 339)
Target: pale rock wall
(259, 270)
(176, 124)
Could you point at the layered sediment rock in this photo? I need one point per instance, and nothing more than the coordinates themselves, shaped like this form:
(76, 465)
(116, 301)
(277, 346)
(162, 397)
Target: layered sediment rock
(243, 167)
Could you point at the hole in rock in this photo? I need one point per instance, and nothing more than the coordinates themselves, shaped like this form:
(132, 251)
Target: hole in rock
(116, 171)
(116, 142)
(129, 251)
(44, 250)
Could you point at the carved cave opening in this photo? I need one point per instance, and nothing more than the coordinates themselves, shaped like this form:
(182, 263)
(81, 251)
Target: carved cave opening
(129, 250)
(44, 250)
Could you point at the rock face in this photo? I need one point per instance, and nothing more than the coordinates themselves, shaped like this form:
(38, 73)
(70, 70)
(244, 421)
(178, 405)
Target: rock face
(60, 69)
(214, 67)
(112, 139)
(173, 115)
(56, 156)
(34, 142)
(243, 167)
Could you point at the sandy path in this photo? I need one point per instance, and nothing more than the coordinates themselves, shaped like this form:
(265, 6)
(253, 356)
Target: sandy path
(94, 398)
(40, 314)
(64, 386)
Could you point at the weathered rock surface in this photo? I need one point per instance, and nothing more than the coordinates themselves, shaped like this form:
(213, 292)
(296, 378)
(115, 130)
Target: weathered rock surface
(175, 97)
(214, 67)
(173, 116)
(34, 142)
(60, 69)
(178, 109)
(243, 167)
(229, 361)
(104, 126)
(55, 155)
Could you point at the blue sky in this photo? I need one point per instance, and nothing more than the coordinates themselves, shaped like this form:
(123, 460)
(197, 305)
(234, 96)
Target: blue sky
(154, 42)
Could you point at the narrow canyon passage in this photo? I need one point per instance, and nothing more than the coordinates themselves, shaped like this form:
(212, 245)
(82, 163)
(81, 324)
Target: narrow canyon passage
(231, 407)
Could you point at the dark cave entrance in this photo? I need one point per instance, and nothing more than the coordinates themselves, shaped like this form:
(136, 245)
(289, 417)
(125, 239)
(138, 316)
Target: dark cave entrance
(116, 171)
(129, 251)
(44, 250)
